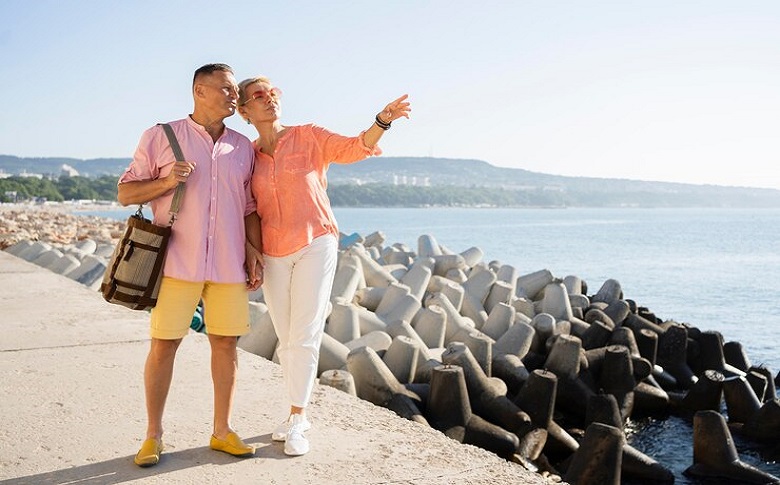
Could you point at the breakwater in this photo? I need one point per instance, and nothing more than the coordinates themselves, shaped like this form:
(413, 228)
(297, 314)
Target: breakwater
(511, 364)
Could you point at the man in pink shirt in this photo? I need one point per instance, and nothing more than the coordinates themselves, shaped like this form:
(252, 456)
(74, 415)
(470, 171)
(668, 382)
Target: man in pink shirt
(207, 251)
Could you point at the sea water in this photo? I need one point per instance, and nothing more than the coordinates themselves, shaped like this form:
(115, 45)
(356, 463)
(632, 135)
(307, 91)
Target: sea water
(715, 269)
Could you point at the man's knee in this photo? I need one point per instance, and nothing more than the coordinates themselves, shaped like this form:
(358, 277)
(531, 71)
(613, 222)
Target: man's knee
(223, 342)
(162, 348)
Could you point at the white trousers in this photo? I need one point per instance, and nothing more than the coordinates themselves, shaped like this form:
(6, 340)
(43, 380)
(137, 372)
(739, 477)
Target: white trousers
(297, 290)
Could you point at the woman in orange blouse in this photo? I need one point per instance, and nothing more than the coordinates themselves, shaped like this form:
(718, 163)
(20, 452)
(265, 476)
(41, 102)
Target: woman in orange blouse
(298, 235)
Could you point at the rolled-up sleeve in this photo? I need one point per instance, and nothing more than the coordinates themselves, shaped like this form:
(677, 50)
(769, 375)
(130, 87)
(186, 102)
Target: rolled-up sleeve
(142, 168)
(343, 149)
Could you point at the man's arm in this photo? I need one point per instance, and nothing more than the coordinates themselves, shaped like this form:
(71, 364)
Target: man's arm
(142, 191)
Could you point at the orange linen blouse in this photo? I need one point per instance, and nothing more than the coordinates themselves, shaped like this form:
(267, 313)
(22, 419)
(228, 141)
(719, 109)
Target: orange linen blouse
(290, 187)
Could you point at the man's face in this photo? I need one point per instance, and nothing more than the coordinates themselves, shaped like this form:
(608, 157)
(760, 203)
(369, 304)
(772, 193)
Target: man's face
(217, 93)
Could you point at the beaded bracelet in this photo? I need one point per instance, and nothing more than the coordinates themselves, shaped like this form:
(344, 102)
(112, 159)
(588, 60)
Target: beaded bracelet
(381, 124)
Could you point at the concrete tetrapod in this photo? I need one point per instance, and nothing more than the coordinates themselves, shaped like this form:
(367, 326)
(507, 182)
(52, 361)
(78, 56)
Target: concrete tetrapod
(489, 401)
(373, 272)
(392, 255)
(378, 341)
(66, 264)
(618, 311)
(564, 357)
(397, 304)
(596, 336)
(443, 264)
(339, 379)
(706, 394)
(47, 258)
(261, 339)
(603, 408)
(333, 354)
(672, 355)
(757, 381)
(481, 347)
(609, 292)
(451, 289)
(476, 289)
(714, 453)
(369, 297)
(418, 277)
(599, 458)
(18, 248)
(647, 343)
(401, 358)
(517, 340)
(450, 412)
(500, 319)
(458, 326)
(530, 285)
(375, 383)
(34, 250)
(343, 321)
(500, 292)
(765, 424)
(472, 256)
(617, 378)
(556, 302)
(545, 327)
(537, 397)
(741, 402)
(427, 246)
(348, 277)
(510, 369)
(771, 388)
(430, 324)
(735, 355)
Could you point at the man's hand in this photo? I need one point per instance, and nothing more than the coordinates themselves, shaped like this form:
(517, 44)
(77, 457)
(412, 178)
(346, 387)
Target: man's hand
(254, 267)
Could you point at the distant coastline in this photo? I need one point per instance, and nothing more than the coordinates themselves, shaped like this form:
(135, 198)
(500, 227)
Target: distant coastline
(415, 182)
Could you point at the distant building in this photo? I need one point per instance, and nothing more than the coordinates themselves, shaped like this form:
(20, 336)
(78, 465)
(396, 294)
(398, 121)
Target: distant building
(33, 175)
(68, 171)
(411, 180)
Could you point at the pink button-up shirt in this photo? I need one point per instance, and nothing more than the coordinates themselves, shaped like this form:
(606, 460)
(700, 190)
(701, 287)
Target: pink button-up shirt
(290, 187)
(208, 238)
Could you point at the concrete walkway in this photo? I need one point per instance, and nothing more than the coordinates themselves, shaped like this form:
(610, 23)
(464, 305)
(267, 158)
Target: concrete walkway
(71, 394)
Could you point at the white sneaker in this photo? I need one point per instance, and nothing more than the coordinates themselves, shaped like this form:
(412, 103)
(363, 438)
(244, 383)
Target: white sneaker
(280, 433)
(296, 443)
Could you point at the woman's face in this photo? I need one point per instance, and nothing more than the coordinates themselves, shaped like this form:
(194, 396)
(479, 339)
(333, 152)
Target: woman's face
(262, 102)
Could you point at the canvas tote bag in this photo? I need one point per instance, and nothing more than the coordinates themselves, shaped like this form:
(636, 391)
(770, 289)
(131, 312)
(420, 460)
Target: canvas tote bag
(133, 275)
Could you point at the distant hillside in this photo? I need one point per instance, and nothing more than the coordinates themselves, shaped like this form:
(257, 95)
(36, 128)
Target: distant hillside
(553, 190)
(94, 167)
(414, 181)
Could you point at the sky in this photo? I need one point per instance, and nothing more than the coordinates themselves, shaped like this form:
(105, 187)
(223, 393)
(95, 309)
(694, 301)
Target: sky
(676, 91)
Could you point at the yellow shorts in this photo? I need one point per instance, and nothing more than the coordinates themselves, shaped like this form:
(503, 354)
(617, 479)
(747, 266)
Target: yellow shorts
(225, 308)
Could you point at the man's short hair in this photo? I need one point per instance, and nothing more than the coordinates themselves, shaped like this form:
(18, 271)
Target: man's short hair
(209, 69)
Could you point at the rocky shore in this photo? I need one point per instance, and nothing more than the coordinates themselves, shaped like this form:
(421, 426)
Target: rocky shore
(537, 368)
(55, 224)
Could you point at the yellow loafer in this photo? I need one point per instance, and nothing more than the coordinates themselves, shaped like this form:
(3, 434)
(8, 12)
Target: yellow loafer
(232, 445)
(149, 454)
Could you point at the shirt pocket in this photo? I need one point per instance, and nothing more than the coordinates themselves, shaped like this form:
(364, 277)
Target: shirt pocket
(298, 163)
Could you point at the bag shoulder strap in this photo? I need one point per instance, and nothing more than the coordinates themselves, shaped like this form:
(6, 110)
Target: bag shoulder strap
(179, 194)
